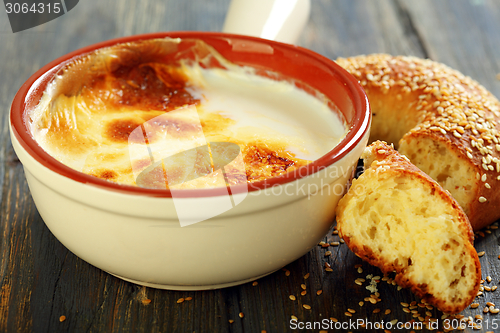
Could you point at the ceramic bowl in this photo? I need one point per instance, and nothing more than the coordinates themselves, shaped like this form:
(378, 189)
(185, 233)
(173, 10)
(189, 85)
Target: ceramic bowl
(134, 233)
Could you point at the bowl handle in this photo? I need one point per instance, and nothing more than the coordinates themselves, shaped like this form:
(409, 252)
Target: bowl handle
(280, 20)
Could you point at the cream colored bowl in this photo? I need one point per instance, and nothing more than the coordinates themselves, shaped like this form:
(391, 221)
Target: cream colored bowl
(135, 234)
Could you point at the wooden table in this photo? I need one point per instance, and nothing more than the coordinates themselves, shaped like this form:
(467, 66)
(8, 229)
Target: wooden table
(42, 281)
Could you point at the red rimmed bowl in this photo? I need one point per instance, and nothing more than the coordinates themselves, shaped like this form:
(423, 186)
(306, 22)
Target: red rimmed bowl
(134, 233)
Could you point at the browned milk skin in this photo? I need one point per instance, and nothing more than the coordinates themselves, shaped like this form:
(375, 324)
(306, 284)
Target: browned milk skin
(89, 128)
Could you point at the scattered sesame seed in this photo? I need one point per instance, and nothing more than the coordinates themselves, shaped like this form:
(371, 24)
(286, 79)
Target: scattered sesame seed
(488, 278)
(474, 305)
(241, 314)
(255, 283)
(303, 286)
(188, 298)
(490, 304)
(360, 270)
(306, 276)
(361, 303)
(377, 310)
(482, 199)
(328, 269)
(180, 300)
(334, 319)
(292, 297)
(307, 307)
(334, 243)
(231, 321)
(303, 292)
(387, 311)
(319, 292)
(62, 318)
(293, 317)
(146, 301)
(348, 314)
(328, 253)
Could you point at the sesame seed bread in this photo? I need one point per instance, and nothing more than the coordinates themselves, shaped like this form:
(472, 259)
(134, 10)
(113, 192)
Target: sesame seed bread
(399, 219)
(447, 124)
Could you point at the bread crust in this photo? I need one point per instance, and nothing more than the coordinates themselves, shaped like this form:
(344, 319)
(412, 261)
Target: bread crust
(383, 159)
(412, 98)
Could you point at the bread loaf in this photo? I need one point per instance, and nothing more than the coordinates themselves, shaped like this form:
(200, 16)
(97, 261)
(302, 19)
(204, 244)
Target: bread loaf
(447, 124)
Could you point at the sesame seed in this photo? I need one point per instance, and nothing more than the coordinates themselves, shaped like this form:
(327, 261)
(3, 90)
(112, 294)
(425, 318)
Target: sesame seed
(231, 321)
(482, 199)
(319, 292)
(361, 303)
(62, 318)
(303, 292)
(487, 185)
(474, 305)
(292, 297)
(495, 311)
(376, 310)
(306, 276)
(490, 304)
(293, 317)
(360, 270)
(328, 253)
(488, 278)
(351, 310)
(241, 314)
(348, 314)
(480, 254)
(334, 319)
(146, 301)
(255, 283)
(180, 300)
(483, 177)
(188, 298)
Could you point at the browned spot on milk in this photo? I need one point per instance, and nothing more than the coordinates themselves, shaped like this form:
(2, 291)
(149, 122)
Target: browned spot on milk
(149, 86)
(119, 130)
(215, 123)
(105, 174)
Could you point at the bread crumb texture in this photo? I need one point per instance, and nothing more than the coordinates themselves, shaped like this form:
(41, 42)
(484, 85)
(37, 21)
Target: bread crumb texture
(397, 218)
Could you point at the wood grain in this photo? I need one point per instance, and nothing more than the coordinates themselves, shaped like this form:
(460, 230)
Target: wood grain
(40, 280)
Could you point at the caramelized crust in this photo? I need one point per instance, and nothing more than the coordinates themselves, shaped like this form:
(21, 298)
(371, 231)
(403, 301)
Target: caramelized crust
(133, 94)
(446, 123)
(397, 218)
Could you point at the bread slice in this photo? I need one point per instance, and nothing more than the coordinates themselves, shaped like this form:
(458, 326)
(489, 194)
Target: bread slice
(397, 218)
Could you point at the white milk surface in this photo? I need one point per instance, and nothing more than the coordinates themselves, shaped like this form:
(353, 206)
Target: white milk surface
(265, 108)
